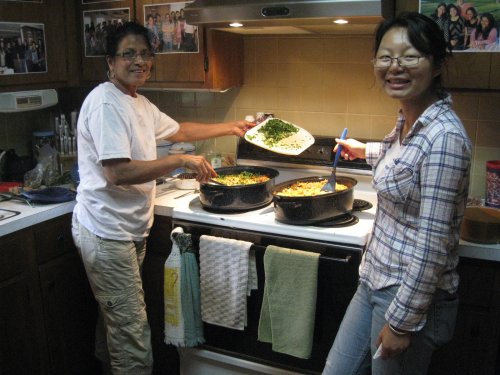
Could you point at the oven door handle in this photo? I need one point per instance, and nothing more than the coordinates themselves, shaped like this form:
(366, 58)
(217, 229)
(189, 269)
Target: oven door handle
(346, 259)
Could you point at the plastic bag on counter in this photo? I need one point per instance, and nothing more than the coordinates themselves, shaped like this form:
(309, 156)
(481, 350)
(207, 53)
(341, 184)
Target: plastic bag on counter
(46, 171)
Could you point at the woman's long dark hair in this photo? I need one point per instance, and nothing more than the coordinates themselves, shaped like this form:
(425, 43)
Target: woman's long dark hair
(425, 35)
(491, 25)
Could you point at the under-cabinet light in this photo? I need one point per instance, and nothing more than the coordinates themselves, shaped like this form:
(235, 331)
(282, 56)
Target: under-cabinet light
(340, 21)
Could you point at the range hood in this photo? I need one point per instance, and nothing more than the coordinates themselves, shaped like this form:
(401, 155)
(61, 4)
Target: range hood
(289, 17)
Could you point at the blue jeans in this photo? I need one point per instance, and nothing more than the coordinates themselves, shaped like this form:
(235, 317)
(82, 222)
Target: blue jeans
(355, 343)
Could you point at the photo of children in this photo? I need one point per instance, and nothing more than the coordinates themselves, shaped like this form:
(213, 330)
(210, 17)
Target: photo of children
(22, 48)
(467, 26)
(97, 24)
(168, 30)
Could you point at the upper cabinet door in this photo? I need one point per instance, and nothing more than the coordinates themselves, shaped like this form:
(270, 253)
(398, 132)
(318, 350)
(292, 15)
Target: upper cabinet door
(94, 20)
(179, 57)
(186, 57)
(35, 44)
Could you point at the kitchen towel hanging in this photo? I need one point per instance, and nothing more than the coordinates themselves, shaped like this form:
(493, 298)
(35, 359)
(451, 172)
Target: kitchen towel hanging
(190, 291)
(190, 306)
(224, 279)
(174, 321)
(289, 301)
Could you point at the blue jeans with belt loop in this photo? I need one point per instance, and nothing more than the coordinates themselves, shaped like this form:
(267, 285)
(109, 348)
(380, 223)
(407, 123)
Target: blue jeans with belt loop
(123, 335)
(355, 343)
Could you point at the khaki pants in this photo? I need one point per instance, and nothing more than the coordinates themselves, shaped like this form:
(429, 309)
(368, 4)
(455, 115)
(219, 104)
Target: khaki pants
(123, 336)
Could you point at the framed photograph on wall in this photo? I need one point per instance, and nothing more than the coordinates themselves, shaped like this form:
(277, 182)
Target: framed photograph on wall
(22, 48)
(97, 1)
(168, 30)
(25, 1)
(467, 25)
(97, 24)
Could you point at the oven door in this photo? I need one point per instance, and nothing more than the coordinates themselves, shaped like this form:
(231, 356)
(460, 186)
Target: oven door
(337, 282)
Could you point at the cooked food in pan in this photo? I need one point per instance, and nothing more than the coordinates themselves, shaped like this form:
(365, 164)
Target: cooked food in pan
(242, 178)
(308, 189)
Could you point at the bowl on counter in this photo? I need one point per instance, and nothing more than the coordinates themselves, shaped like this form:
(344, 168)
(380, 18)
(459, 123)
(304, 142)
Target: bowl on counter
(186, 181)
(481, 225)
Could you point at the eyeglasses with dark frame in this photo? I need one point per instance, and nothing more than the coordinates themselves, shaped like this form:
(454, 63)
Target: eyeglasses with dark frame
(409, 61)
(131, 55)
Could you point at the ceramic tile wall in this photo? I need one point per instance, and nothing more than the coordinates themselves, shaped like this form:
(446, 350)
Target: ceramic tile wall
(325, 84)
(321, 83)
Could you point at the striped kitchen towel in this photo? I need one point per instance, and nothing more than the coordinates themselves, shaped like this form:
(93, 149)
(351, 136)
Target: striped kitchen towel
(224, 279)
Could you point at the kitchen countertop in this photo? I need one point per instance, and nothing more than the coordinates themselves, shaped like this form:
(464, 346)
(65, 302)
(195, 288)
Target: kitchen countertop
(164, 205)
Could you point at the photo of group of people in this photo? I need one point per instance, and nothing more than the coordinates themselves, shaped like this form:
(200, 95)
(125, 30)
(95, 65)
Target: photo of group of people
(467, 26)
(168, 30)
(97, 25)
(22, 48)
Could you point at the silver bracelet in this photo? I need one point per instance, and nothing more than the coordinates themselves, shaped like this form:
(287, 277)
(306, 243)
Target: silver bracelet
(397, 332)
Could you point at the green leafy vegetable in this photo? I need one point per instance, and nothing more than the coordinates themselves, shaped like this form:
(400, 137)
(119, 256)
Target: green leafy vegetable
(276, 130)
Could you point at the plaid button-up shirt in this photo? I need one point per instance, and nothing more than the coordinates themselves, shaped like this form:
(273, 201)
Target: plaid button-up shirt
(421, 201)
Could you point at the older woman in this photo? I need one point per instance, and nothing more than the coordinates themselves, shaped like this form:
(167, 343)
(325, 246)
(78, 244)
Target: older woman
(117, 133)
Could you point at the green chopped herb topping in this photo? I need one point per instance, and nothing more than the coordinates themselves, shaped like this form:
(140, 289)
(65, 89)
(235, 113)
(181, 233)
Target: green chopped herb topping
(276, 130)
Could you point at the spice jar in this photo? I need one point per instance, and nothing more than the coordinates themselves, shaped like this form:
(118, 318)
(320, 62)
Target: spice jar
(493, 183)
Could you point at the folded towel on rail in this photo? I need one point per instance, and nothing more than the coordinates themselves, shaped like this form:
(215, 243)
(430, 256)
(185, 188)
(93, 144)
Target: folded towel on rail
(224, 279)
(174, 321)
(289, 302)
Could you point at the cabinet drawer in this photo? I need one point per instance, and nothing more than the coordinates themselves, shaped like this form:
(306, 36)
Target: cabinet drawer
(15, 254)
(54, 239)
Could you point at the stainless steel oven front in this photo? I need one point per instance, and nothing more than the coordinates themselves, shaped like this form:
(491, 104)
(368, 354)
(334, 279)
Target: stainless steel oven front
(337, 282)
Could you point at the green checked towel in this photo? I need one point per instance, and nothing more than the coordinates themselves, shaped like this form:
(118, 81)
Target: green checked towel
(289, 303)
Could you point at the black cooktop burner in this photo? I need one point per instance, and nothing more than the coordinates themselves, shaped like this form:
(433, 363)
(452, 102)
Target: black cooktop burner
(361, 205)
(345, 220)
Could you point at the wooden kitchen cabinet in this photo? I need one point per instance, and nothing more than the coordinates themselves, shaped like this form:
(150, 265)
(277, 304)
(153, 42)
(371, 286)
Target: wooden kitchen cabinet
(475, 345)
(217, 66)
(48, 314)
(22, 349)
(93, 68)
(165, 357)
(59, 42)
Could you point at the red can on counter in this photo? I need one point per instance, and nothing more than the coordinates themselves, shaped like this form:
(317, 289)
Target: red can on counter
(493, 183)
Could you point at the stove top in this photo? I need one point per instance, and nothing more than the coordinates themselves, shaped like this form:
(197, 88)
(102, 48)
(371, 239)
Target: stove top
(263, 220)
(315, 161)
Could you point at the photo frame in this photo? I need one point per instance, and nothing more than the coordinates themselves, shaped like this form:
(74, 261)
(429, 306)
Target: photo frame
(97, 1)
(467, 25)
(168, 30)
(96, 25)
(22, 48)
(24, 1)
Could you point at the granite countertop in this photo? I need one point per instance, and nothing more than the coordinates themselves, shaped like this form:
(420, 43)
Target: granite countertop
(164, 204)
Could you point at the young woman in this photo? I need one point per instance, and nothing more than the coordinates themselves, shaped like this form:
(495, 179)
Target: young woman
(440, 16)
(117, 133)
(456, 27)
(471, 22)
(406, 302)
(485, 34)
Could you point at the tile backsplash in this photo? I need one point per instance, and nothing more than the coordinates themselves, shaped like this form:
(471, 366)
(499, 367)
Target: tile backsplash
(323, 83)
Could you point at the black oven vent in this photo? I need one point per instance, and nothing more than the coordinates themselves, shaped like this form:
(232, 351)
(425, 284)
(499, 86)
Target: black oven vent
(320, 154)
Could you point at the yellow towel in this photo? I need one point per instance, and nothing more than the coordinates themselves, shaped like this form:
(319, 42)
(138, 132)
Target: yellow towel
(289, 302)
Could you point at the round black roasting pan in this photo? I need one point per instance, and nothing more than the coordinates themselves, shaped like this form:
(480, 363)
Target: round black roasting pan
(240, 197)
(313, 209)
